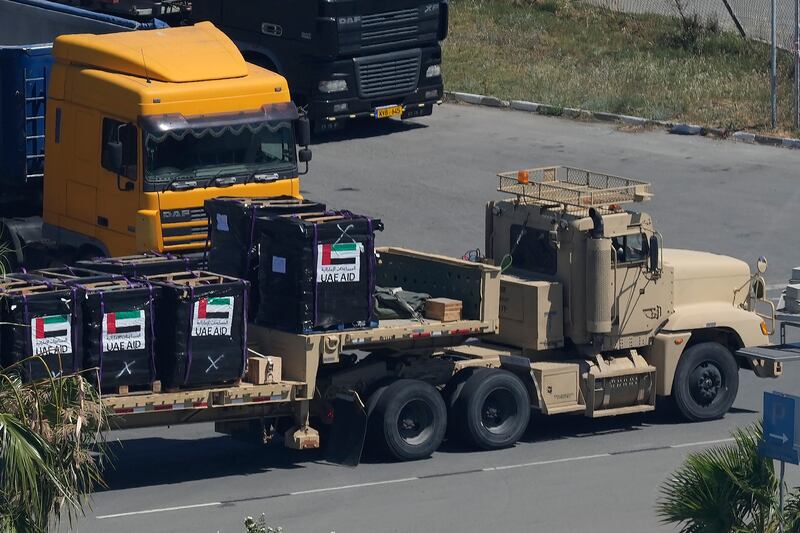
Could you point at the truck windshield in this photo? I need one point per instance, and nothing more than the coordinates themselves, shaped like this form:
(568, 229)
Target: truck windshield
(202, 154)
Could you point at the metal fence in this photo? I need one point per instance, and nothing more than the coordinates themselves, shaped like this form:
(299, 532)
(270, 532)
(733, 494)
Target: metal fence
(752, 15)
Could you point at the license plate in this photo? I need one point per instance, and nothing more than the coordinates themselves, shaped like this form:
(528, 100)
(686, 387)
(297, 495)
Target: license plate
(389, 111)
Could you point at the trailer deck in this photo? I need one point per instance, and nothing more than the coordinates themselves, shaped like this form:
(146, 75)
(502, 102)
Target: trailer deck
(475, 284)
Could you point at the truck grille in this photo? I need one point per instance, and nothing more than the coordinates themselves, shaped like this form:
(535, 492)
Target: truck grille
(390, 17)
(177, 237)
(387, 74)
(389, 26)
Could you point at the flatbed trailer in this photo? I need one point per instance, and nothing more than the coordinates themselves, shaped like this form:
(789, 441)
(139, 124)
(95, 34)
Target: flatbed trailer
(316, 366)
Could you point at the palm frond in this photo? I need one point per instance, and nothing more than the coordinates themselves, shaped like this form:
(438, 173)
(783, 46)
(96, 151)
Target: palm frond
(48, 433)
(723, 489)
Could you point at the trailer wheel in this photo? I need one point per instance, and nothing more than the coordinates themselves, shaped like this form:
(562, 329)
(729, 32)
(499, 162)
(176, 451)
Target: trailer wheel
(706, 382)
(408, 419)
(492, 409)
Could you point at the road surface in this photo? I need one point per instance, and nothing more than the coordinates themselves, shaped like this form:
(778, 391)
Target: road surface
(428, 182)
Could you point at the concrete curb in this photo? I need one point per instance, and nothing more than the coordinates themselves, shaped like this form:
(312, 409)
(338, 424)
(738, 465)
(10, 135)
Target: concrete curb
(600, 116)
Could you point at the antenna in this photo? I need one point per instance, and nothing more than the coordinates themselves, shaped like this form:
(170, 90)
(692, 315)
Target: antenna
(146, 74)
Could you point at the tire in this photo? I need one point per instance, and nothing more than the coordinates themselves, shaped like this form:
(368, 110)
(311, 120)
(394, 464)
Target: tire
(87, 252)
(706, 382)
(8, 252)
(407, 419)
(492, 409)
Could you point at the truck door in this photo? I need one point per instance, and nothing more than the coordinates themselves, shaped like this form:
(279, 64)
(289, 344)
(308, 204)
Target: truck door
(118, 186)
(639, 298)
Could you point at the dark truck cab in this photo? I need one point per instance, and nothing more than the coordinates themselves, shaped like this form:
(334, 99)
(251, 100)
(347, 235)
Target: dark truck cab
(343, 58)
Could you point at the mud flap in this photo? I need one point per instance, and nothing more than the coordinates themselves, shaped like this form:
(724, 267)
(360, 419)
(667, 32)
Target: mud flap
(346, 441)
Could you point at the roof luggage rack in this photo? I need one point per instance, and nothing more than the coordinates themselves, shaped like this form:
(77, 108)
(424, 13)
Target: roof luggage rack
(572, 188)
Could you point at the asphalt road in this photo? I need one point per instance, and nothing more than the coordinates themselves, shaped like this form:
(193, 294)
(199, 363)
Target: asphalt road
(428, 182)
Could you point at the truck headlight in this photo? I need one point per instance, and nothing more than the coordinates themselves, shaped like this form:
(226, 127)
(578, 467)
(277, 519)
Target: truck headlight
(333, 86)
(434, 71)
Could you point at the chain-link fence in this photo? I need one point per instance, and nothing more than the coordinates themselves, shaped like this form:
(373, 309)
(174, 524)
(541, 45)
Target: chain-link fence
(753, 16)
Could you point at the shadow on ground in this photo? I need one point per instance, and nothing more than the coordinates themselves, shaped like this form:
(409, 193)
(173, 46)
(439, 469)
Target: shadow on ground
(154, 461)
(365, 128)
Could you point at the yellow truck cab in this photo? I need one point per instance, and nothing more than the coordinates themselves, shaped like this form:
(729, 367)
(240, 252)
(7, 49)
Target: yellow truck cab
(143, 126)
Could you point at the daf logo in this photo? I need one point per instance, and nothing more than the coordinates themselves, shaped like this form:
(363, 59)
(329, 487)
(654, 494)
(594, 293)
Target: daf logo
(176, 213)
(344, 21)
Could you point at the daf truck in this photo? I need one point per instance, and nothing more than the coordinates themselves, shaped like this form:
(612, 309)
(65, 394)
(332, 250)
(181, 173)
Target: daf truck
(576, 309)
(345, 58)
(113, 139)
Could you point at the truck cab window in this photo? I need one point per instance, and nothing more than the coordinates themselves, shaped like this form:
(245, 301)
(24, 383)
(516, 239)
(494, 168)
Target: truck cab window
(263, 147)
(630, 248)
(534, 252)
(125, 133)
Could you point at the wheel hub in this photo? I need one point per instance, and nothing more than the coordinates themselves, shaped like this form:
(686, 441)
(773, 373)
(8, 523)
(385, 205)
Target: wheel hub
(415, 422)
(498, 408)
(705, 383)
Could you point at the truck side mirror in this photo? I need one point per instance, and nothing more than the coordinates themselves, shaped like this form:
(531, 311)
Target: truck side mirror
(655, 254)
(759, 290)
(304, 156)
(112, 156)
(303, 131)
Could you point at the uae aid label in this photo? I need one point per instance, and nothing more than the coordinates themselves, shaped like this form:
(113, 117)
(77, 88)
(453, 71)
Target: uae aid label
(51, 335)
(123, 331)
(337, 263)
(212, 317)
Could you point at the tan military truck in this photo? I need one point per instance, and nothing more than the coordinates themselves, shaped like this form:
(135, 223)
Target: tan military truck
(576, 308)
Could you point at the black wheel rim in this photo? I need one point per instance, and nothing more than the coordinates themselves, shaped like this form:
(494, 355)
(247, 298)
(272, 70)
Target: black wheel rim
(415, 422)
(499, 411)
(706, 383)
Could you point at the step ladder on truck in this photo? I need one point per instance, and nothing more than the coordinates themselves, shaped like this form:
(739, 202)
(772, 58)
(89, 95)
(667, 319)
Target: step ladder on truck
(576, 308)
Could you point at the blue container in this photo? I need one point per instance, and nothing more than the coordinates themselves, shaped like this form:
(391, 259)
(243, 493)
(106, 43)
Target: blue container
(24, 71)
(27, 29)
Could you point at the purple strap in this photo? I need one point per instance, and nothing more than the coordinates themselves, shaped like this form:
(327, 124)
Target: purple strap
(28, 342)
(371, 266)
(76, 338)
(189, 337)
(252, 236)
(151, 303)
(246, 287)
(314, 251)
(102, 350)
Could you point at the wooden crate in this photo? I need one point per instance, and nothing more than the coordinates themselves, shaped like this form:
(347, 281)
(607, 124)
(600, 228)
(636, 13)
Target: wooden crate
(444, 309)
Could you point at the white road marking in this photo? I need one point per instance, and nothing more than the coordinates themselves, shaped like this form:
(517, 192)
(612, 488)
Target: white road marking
(408, 479)
(549, 462)
(701, 443)
(777, 286)
(162, 510)
(356, 486)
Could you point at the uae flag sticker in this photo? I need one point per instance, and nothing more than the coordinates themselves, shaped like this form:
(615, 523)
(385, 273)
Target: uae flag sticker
(339, 263)
(124, 331)
(212, 316)
(51, 335)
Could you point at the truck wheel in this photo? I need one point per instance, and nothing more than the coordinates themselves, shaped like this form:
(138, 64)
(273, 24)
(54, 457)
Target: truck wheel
(706, 382)
(492, 410)
(8, 251)
(409, 419)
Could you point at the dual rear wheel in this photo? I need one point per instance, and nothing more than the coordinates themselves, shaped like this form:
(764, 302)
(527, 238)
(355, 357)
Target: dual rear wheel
(483, 408)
